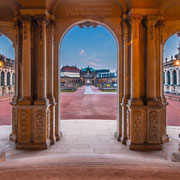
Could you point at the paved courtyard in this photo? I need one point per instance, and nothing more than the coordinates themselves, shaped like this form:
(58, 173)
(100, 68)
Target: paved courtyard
(90, 103)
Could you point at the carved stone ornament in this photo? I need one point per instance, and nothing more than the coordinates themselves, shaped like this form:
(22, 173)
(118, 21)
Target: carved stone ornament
(137, 124)
(153, 126)
(26, 22)
(135, 20)
(88, 24)
(39, 125)
(42, 22)
(151, 22)
(24, 125)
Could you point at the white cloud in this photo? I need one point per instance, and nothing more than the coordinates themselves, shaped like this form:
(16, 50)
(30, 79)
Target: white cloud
(94, 64)
(82, 52)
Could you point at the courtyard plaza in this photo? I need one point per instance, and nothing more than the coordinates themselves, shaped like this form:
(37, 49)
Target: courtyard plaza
(88, 102)
(87, 144)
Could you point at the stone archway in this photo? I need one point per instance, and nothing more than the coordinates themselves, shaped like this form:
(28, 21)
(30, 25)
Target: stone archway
(116, 31)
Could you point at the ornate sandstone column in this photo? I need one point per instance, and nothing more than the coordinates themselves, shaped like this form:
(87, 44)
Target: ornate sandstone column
(143, 119)
(31, 105)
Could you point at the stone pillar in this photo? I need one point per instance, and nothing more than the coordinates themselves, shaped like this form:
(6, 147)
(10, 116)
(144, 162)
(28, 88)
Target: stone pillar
(178, 78)
(143, 122)
(166, 78)
(171, 76)
(10, 78)
(151, 61)
(50, 78)
(126, 76)
(32, 108)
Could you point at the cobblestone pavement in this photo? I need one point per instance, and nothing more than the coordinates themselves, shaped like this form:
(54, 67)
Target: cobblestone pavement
(77, 105)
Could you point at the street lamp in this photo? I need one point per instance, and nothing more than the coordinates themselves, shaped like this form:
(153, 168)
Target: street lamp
(1, 64)
(177, 63)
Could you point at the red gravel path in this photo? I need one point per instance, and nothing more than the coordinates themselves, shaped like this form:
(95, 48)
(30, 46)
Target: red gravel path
(99, 106)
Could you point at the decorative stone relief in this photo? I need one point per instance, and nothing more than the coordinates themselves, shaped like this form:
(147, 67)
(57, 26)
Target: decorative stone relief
(135, 20)
(42, 22)
(128, 124)
(39, 125)
(88, 24)
(153, 126)
(48, 121)
(137, 125)
(24, 125)
(14, 120)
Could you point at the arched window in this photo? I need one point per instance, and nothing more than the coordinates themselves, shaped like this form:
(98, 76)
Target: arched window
(169, 78)
(13, 79)
(2, 78)
(174, 77)
(8, 79)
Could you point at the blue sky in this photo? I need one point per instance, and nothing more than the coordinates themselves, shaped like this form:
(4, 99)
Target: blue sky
(95, 47)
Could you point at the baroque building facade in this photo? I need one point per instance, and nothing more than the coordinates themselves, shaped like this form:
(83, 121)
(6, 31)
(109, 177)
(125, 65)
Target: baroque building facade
(172, 74)
(140, 28)
(7, 76)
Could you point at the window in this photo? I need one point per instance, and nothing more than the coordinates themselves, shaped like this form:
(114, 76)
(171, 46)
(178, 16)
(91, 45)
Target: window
(174, 77)
(168, 77)
(2, 78)
(8, 79)
(13, 79)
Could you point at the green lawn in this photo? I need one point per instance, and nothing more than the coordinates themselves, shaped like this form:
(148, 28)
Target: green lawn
(68, 90)
(108, 90)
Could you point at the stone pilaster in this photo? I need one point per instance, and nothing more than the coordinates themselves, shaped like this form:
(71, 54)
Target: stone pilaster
(126, 80)
(151, 60)
(50, 78)
(135, 99)
(26, 60)
(41, 63)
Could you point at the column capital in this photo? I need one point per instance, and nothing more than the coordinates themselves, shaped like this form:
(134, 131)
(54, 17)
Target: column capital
(135, 19)
(151, 19)
(41, 19)
(24, 19)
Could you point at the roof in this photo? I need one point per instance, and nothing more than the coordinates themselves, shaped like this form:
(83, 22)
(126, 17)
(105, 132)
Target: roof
(70, 69)
(88, 68)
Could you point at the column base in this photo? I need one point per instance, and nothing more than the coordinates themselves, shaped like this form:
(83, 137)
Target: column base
(152, 102)
(33, 146)
(123, 140)
(2, 156)
(58, 137)
(13, 138)
(53, 140)
(144, 147)
(175, 157)
(135, 102)
(165, 139)
(117, 136)
(25, 101)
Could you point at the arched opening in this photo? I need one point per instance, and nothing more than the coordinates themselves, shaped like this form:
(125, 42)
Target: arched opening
(7, 65)
(171, 88)
(174, 77)
(93, 77)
